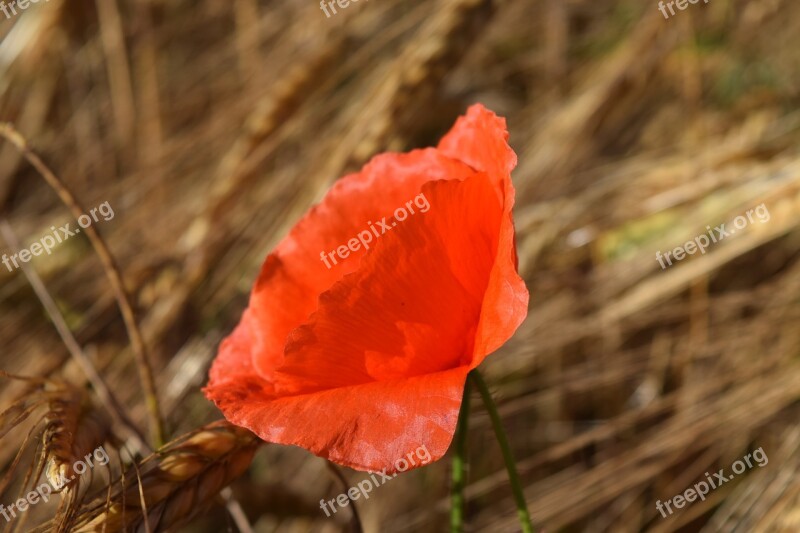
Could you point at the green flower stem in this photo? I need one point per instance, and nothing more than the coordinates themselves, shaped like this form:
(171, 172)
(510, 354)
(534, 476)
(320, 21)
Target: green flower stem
(459, 460)
(502, 440)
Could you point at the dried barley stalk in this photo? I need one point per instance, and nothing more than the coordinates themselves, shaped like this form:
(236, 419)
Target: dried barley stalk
(73, 430)
(176, 483)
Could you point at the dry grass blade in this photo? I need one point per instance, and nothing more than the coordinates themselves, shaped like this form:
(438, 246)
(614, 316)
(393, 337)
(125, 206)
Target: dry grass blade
(106, 396)
(73, 429)
(8, 132)
(17, 413)
(355, 522)
(176, 483)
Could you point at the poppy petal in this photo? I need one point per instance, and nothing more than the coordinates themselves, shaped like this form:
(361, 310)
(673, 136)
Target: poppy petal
(480, 139)
(505, 303)
(414, 305)
(352, 425)
(294, 275)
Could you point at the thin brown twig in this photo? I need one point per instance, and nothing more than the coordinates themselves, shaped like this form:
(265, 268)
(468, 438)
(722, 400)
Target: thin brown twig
(142, 499)
(112, 273)
(100, 387)
(235, 510)
(356, 520)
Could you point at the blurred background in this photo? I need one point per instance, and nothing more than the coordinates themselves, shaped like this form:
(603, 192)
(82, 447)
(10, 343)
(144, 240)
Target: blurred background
(210, 127)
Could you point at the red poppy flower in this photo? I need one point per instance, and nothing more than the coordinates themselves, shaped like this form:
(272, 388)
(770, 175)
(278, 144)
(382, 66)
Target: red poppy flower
(358, 350)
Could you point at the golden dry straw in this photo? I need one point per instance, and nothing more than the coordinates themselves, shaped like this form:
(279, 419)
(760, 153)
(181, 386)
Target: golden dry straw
(73, 427)
(73, 430)
(174, 484)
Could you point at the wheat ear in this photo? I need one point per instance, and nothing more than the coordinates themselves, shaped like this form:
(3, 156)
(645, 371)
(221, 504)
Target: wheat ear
(174, 484)
(74, 429)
